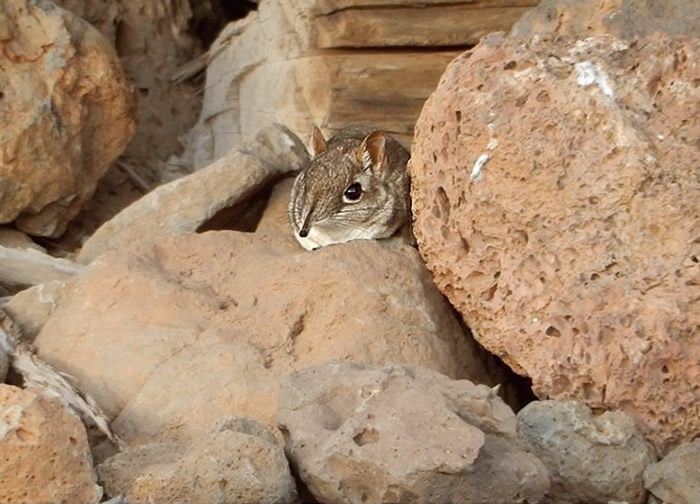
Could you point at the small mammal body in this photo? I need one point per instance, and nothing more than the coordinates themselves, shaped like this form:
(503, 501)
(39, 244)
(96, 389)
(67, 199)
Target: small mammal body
(355, 187)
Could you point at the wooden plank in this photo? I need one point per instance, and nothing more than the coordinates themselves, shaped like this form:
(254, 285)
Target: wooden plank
(439, 26)
(384, 89)
(330, 6)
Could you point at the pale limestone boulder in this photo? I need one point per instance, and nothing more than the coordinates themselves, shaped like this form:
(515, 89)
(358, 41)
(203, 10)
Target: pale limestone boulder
(676, 478)
(589, 458)
(238, 461)
(306, 62)
(31, 308)
(45, 453)
(66, 113)
(627, 19)
(556, 201)
(361, 434)
(194, 327)
(185, 204)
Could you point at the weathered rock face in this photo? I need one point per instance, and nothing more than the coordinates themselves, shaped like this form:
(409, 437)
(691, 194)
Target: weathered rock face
(676, 478)
(185, 204)
(589, 459)
(556, 197)
(403, 434)
(45, 455)
(32, 307)
(145, 36)
(240, 461)
(223, 314)
(305, 62)
(626, 19)
(66, 111)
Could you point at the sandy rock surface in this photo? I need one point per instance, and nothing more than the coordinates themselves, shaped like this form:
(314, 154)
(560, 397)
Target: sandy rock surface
(238, 461)
(45, 453)
(556, 198)
(224, 314)
(359, 433)
(66, 113)
(589, 458)
(676, 478)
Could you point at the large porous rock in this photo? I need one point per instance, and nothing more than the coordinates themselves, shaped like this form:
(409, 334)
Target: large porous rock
(329, 63)
(66, 112)
(627, 19)
(676, 478)
(199, 326)
(187, 203)
(589, 458)
(359, 434)
(45, 453)
(238, 461)
(556, 198)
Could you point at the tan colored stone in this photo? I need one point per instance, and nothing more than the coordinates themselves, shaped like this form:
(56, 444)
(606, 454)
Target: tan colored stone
(556, 200)
(239, 461)
(13, 238)
(223, 314)
(66, 112)
(314, 62)
(676, 478)
(361, 434)
(45, 454)
(628, 19)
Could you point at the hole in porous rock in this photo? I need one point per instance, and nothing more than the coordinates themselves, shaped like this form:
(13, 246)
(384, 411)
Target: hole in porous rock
(664, 369)
(511, 65)
(695, 259)
(595, 276)
(522, 100)
(366, 436)
(553, 332)
(488, 296)
(25, 435)
(465, 245)
(458, 115)
(543, 97)
(444, 203)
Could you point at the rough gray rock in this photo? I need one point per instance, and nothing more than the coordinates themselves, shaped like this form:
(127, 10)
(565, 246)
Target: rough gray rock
(676, 478)
(590, 459)
(239, 461)
(403, 434)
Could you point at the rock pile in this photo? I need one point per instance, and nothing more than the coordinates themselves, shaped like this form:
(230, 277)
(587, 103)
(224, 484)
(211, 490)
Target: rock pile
(191, 351)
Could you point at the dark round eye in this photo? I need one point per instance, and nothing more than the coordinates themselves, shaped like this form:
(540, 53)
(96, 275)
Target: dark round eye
(353, 192)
